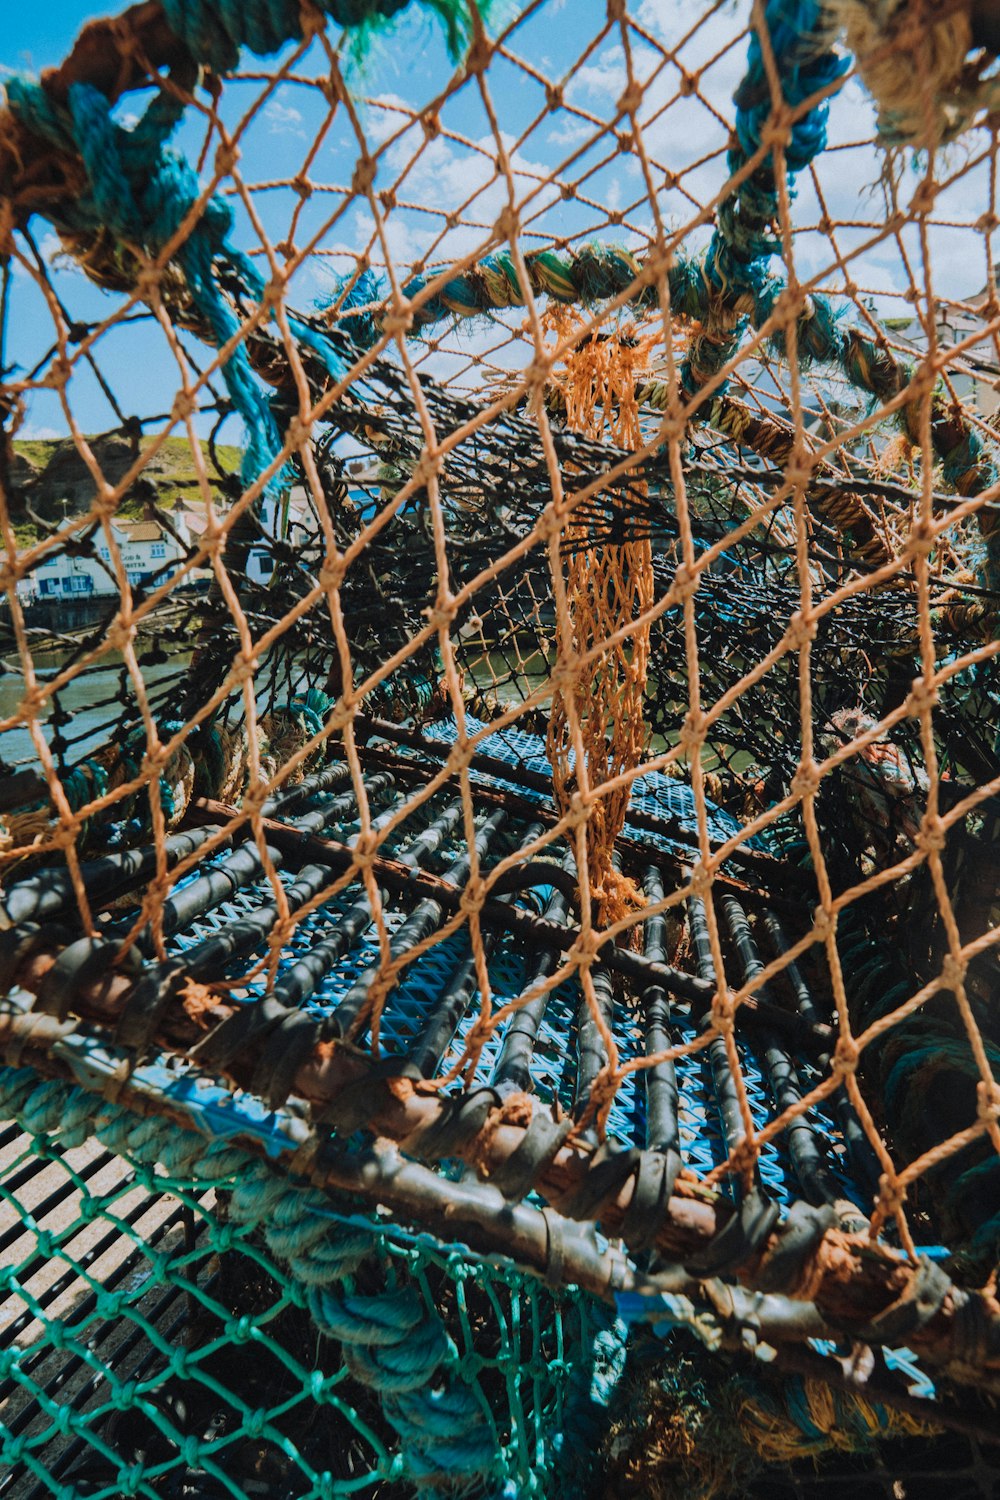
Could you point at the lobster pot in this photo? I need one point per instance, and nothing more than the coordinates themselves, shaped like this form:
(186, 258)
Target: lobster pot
(209, 1294)
(499, 757)
(212, 1328)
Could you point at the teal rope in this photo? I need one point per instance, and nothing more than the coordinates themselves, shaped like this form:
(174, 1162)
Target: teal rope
(800, 41)
(310, 710)
(87, 781)
(736, 263)
(141, 190)
(215, 31)
(596, 1382)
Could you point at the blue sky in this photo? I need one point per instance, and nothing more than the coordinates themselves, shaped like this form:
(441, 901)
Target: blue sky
(38, 38)
(406, 70)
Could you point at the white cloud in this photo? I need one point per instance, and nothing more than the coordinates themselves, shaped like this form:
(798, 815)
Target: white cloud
(570, 132)
(55, 259)
(381, 118)
(606, 76)
(444, 175)
(49, 247)
(283, 119)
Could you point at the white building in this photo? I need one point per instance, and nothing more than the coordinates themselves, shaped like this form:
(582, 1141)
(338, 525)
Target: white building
(149, 553)
(974, 374)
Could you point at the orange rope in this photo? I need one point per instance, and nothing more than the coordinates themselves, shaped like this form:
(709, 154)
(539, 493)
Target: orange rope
(607, 588)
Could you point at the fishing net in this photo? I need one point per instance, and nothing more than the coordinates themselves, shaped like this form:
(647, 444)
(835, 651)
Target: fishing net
(499, 750)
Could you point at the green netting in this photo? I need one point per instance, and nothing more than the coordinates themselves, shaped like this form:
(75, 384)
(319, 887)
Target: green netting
(182, 1319)
(179, 1319)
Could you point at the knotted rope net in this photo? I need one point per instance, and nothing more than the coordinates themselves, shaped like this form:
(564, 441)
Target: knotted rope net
(499, 746)
(600, 722)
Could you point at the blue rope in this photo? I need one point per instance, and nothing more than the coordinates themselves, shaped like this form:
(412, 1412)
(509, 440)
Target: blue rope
(736, 262)
(214, 31)
(141, 190)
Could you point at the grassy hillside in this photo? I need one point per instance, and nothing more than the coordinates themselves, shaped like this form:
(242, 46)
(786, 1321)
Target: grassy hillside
(46, 471)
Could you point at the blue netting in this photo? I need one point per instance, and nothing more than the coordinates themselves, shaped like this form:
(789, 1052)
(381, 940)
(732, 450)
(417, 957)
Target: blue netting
(653, 792)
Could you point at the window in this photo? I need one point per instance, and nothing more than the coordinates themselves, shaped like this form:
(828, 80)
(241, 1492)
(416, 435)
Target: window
(158, 550)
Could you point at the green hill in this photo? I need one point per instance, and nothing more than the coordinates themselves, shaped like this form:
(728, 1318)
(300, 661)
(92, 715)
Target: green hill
(45, 472)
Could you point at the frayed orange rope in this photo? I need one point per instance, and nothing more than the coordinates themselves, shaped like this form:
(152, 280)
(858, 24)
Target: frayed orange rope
(607, 588)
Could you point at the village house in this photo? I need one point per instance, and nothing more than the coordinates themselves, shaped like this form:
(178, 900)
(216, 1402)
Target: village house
(149, 552)
(974, 375)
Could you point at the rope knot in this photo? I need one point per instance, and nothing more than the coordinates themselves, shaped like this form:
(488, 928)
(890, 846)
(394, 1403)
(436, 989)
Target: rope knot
(442, 616)
(846, 1056)
(242, 669)
(311, 19)
(602, 1094)
(147, 285)
(743, 1157)
(184, 404)
(953, 972)
(255, 795)
(924, 197)
(331, 574)
(479, 1033)
(824, 923)
(920, 542)
(508, 224)
(891, 1195)
(686, 581)
(722, 1012)
(473, 896)
(536, 374)
(586, 948)
(931, 837)
(398, 323)
(693, 732)
(802, 629)
(923, 696)
(778, 129)
(988, 1102)
(579, 810)
(364, 849)
(227, 154)
(805, 782)
(363, 176)
(631, 98)
(298, 431)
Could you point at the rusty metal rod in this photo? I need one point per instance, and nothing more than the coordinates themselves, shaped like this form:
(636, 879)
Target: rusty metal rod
(851, 1280)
